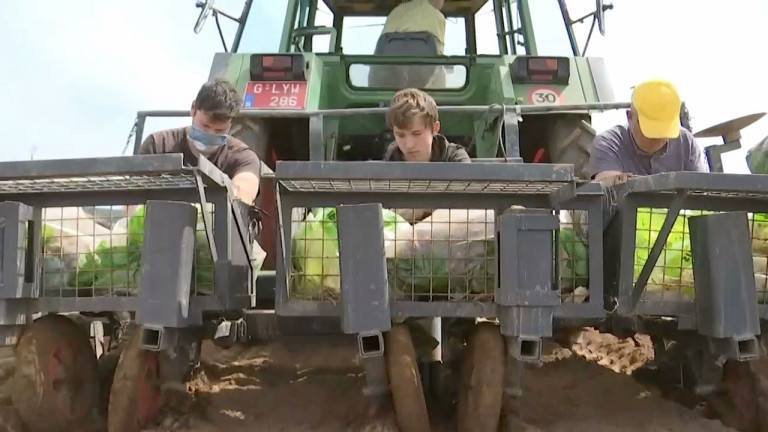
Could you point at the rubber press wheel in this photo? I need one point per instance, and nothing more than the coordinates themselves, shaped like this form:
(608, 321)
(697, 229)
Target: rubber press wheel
(55, 386)
(405, 381)
(135, 397)
(482, 379)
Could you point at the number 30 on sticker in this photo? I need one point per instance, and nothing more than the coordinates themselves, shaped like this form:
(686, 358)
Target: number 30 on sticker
(545, 96)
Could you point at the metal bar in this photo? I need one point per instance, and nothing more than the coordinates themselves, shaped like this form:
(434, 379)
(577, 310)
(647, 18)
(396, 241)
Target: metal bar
(423, 171)
(139, 133)
(525, 17)
(498, 14)
(569, 27)
(206, 217)
(715, 153)
(241, 25)
(90, 198)
(107, 166)
(511, 31)
(470, 34)
(344, 112)
(316, 138)
(658, 245)
(699, 181)
(511, 134)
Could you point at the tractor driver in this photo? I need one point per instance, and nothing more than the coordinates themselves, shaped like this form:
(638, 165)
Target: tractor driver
(212, 112)
(416, 16)
(651, 142)
(413, 16)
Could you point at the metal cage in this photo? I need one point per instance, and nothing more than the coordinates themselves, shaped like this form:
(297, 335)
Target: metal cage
(663, 224)
(356, 266)
(175, 236)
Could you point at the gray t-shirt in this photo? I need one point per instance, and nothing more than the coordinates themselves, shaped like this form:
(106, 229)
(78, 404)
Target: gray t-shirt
(615, 150)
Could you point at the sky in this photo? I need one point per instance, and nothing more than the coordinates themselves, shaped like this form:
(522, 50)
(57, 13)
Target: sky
(73, 90)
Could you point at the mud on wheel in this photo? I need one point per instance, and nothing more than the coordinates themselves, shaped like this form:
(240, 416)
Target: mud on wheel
(482, 379)
(55, 386)
(405, 381)
(135, 397)
(743, 404)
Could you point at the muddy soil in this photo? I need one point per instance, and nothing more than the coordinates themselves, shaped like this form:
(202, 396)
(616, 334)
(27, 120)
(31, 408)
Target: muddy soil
(314, 384)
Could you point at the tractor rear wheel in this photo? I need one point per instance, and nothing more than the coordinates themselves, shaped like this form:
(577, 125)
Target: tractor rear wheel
(570, 140)
(405, 381)
(135, 396)
(55, 386)
(481, 388)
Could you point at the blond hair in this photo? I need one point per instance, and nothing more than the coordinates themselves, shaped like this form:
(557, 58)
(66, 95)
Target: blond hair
(409, 104)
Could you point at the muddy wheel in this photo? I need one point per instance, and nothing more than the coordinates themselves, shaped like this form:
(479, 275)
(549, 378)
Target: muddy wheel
(405, 381)
(570, 142)
(482, 379)
(55, 386)
(744, 404)
(135, 397)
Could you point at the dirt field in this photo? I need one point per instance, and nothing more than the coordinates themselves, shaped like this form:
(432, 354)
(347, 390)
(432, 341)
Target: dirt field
(313, 384)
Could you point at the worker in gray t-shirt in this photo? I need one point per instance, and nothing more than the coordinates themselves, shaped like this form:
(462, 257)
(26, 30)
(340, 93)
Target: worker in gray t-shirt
(652, 142)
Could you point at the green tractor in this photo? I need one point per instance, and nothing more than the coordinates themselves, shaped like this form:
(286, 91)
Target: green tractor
(523, 92)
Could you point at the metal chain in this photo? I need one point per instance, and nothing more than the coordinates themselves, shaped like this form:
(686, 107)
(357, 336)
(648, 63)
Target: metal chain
(130, 136)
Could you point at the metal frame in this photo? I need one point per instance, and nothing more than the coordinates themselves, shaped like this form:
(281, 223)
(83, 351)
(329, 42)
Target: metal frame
(33, 185)
(478, 185)
(511, 114)
(673, 191)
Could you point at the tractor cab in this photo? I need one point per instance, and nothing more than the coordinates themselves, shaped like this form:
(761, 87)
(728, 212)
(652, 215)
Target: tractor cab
(316, 78)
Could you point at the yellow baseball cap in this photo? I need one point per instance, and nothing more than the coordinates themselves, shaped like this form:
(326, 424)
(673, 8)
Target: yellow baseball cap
(658, 108)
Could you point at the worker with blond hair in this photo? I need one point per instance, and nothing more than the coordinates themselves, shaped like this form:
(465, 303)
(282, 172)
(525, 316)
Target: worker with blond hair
(652, 141)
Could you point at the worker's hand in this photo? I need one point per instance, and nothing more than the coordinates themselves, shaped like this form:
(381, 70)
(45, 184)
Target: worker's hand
(614, 178)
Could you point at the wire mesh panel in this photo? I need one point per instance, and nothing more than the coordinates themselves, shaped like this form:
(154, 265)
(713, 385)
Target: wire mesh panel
(672, 276)
(440, 235)
(432, 255)
(573, 257)
(643, 207)
(84, 237)
(96, 252)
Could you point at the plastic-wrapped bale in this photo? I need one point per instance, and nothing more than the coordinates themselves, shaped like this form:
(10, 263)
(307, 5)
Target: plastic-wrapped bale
(452, 256)
(757, 158)
(315, 252)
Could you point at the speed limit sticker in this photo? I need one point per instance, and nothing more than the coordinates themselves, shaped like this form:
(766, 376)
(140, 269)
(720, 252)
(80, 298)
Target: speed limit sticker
(545, 96)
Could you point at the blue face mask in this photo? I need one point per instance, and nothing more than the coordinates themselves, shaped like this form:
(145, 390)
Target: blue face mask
(205, 140)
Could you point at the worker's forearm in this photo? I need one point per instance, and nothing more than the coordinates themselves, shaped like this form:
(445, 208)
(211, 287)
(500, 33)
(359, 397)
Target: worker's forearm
(246, 187)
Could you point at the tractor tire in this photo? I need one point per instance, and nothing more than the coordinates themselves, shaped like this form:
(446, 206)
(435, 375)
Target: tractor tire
(56, 385)
(405, 381)
(481, 389)
(135, 396)
(570, 142)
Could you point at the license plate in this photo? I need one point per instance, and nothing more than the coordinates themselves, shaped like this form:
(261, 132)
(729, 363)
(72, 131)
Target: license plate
(275, 95)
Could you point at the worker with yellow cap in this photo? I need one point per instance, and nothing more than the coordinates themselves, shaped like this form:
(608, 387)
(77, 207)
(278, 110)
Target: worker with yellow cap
(651, 142)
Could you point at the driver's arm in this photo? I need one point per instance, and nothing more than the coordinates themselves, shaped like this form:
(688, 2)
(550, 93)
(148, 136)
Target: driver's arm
(246, 180)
